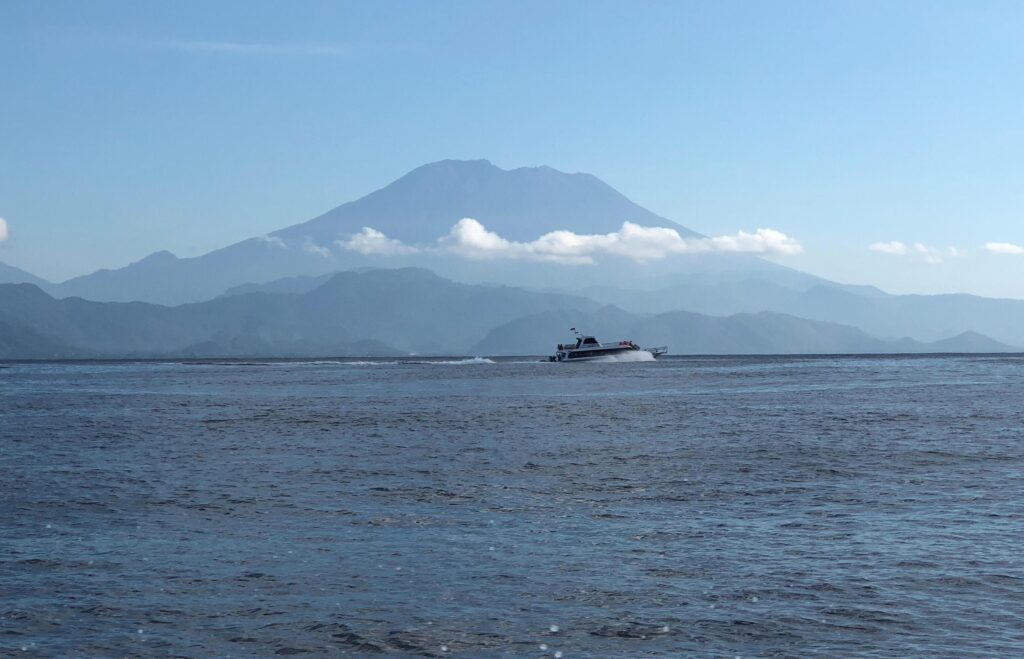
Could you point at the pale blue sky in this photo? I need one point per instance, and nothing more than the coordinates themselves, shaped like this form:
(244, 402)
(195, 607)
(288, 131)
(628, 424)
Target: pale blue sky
(129, 127)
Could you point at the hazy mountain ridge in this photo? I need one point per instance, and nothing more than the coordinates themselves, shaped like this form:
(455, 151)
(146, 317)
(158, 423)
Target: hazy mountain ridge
(387, 312)
(11, 275)
(374, 312)
(924, 317)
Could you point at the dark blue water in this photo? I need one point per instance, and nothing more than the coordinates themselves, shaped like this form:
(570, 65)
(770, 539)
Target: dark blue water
(718, 507)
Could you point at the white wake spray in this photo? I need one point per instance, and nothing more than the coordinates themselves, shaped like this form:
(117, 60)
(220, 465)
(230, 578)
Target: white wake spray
(623, 357)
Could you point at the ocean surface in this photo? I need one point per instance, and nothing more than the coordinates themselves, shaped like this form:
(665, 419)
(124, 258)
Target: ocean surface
(716, 507)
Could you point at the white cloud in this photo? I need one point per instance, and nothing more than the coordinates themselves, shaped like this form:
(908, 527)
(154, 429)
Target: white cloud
(762, 241)
(4, 233)
(927, 253)
(470, 239)
(313, 248)
(895, 248)
(374, 243)
(273, 241)
(1005, 248)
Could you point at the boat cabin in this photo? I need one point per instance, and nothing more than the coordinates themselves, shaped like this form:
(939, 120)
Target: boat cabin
(581, 341)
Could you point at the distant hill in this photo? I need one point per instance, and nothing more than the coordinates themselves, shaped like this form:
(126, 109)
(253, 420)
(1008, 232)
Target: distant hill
(690, 333)
(11, 275)
(969, 342)
(20, 342)
(283, 285)
(403, 311)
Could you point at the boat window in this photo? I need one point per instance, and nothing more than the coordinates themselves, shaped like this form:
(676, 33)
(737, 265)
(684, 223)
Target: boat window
(590, 341)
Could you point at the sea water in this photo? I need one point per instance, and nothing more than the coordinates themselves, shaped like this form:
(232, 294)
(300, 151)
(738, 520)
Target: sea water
(776, 506)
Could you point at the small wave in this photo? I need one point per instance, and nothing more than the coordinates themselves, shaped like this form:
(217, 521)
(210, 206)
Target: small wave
(289, 364)
(334, 362)
(366, 363)
(353, 362)
(205, 363)
(292, 364)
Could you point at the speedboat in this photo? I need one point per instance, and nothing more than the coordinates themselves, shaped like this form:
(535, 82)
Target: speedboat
(587, 348)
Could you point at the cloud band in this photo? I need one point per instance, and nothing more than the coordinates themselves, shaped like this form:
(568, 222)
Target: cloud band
(472, 240)
(1005, 248)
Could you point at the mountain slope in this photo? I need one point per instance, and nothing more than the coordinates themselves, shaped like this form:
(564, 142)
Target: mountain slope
(520, 204)
(417, 311)
(20, 342)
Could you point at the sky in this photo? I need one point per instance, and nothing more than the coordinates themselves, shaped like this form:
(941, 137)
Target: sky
(886, 137)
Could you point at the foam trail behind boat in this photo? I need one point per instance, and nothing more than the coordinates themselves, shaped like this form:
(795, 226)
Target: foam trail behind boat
(630, 356)
(455, 362)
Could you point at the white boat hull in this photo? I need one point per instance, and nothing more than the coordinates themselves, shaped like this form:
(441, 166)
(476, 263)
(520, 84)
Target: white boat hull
(590, 355)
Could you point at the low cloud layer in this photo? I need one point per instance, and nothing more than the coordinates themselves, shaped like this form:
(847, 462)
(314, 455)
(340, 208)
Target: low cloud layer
(4, 233)
(309, 246)
(273, 241)
(895, 248)
(472, 240)
(927, 253)
(1005, 248)
(372, 242)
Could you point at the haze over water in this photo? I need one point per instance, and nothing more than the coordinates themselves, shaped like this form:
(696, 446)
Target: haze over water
(756, 506)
